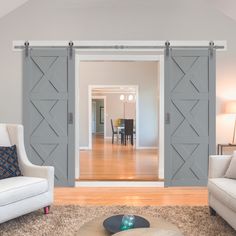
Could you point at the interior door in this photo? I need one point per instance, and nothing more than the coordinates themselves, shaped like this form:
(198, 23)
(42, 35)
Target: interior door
(189, 115)
(48, 110)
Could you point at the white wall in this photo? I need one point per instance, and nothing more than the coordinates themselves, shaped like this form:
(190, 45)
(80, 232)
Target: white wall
(143, 74)
(115, 20)
(130, 110)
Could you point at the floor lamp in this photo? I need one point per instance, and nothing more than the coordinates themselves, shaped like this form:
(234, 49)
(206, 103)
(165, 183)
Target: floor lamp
(230, 108)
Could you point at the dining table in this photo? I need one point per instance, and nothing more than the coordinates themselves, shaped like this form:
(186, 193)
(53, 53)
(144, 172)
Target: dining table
(119, 130)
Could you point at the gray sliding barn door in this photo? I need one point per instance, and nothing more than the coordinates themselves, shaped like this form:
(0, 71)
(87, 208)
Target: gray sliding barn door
(189, 115)
(48, 109)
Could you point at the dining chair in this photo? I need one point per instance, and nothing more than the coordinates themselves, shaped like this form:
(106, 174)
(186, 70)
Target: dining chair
(128, 131)
(113, 131)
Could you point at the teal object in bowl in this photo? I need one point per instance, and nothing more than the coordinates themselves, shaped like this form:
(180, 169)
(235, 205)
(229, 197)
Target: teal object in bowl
(127, 222)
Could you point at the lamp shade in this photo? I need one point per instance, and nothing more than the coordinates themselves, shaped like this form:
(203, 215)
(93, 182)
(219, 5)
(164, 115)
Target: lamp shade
(230, 107)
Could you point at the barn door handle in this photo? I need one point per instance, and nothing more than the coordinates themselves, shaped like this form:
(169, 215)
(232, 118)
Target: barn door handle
(70, 118)
(167, 118)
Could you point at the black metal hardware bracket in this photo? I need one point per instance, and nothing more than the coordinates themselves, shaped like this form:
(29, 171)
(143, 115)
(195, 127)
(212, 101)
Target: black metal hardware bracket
(26, 48)
(211, 47)
(71, 44)
(167, 45)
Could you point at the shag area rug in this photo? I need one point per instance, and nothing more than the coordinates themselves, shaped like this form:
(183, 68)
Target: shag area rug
(66, 220)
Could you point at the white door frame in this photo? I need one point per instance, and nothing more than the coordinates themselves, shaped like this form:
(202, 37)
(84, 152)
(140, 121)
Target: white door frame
(90, 98)
(101, 55)
(91, 87)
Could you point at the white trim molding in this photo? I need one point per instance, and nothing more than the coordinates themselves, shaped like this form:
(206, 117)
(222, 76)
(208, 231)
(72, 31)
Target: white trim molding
(84, 148)
(129, 184)
(91, 87)
(161, 130)
(80, 56)
(147, 148)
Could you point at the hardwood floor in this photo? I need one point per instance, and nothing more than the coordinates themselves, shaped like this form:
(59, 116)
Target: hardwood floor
(117, 162)
(132, 196)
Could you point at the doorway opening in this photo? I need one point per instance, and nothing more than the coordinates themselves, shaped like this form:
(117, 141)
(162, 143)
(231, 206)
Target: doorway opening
(125, 90)
(97, 124)
(114, 104)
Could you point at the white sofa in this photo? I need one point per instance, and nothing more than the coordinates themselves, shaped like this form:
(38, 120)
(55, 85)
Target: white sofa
(27, 193)
(222, 191)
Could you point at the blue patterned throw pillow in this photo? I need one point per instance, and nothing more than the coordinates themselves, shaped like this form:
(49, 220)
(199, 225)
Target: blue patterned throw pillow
(9, 166)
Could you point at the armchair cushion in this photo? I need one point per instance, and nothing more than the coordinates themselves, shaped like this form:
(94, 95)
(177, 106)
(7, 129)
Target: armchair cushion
(224, 190)
(218, 164)
(9, 166)
(231, 171)
(19, 188)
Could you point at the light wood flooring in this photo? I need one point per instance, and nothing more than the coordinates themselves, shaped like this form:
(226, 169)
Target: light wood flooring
(117, 162)
(132, 196)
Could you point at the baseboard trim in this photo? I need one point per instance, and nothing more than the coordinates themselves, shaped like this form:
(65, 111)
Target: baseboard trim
(119, 184)
(84, 148)
(151, 148)
(147, 148)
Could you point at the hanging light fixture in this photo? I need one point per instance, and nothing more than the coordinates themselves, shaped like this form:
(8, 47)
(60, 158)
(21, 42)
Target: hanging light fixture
(131, 97)
(122, 97)
(127, 98)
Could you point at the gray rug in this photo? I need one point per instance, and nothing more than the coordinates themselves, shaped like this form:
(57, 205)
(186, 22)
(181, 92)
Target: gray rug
(66, 220)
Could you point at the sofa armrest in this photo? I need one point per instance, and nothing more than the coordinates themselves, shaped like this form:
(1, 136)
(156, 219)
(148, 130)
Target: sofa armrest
(218, 165)
(46, 172)
(16, 133)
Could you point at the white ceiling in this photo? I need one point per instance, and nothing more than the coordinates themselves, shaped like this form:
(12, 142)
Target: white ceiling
(6, 6)
(227, 7)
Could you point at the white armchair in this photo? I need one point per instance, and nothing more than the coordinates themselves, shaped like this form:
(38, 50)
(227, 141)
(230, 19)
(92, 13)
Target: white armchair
(222, 191)
(27, 193)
